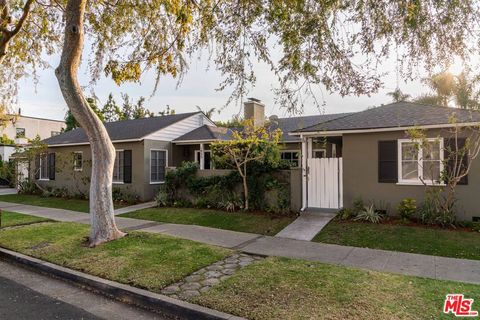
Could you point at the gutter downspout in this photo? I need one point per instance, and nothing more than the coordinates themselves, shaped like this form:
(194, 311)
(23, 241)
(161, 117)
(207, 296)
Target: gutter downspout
(304, 173)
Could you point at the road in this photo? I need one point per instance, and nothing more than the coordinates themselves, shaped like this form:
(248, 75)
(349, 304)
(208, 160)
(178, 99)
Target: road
(25, 294)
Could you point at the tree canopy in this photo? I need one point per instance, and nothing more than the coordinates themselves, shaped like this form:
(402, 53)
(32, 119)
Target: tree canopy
(338, 44)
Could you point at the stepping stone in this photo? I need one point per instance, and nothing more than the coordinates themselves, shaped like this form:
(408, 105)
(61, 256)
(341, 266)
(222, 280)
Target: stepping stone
(228, 271)
(210, 282)
(214, 268)
(204, 289)
(245, 263)
(191, 286)
(193, 278)
(213, 274)
(171, 289)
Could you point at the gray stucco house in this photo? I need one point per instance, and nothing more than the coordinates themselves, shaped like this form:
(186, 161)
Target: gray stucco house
(337, 157)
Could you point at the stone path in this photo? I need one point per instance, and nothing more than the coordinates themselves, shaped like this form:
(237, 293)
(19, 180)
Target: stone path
(306, 226)
(203, 279)
(434, 267)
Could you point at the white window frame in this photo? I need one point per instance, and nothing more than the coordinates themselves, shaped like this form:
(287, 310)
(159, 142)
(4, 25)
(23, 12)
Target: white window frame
(46, 168)
(292, 151)
(81, 163)
(197, 152)
(322, 150)
(113, 181)
(419, 162)
(150, 167)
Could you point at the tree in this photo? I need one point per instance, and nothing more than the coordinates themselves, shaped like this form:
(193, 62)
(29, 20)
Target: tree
(131, 110)
(111, 112)
(167, 112)
(251, 144)
(208, 112)
(397, 95)
(70, 121)
(317, 40)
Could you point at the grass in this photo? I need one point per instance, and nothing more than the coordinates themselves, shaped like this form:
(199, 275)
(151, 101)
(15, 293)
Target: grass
(79, 205)
(279, 288)
(143, 260)
(10, 219)
(414, 239)
(236, 221)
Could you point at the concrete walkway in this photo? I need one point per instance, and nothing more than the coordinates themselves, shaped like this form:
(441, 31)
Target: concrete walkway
(5, 191)
(306, 226)
(135, 207)
(461, 270)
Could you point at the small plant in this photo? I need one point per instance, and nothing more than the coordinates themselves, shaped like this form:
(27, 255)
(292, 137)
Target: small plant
(407, 208)
(345, 214)
(476, 226)
(358, 206)
(369, 214)
(28, 187)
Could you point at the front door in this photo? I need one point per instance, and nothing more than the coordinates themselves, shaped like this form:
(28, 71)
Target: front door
(325, 188)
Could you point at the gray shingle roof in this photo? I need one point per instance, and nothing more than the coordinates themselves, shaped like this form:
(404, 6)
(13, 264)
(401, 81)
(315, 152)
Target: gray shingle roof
(206, 132)
(398, 114)
(121, 130)
(285, 124)
(294, 123)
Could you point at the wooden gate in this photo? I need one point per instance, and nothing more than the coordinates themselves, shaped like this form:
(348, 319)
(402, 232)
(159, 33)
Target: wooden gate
(325, 189)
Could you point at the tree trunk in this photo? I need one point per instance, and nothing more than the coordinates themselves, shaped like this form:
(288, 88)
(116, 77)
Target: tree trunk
(245, 186)
(103, 227)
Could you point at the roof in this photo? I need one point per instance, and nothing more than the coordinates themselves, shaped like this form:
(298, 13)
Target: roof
(121, 130)
(206, 132)
(209, 133)
(396, 115)
(294, 123)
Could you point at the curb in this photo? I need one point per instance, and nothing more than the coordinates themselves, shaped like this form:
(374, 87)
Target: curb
(122, 292)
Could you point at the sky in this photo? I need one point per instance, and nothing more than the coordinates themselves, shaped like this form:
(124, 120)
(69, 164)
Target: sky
(199, 89)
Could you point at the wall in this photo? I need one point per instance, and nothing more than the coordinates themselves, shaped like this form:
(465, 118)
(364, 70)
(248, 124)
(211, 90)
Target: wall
(78, 182)
(360, 175)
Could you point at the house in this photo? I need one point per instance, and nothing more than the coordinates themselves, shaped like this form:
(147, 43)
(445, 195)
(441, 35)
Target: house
(20, 128)
(379, 162)
(338, 157)
(143, 149)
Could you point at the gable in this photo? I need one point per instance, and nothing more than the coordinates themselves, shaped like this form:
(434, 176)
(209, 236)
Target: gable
(180, 128)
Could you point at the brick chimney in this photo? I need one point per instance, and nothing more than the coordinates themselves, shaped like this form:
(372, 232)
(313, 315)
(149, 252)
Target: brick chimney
(254, 109)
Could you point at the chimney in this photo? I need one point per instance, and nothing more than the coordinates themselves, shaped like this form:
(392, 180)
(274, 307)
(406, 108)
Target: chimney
(254, 109)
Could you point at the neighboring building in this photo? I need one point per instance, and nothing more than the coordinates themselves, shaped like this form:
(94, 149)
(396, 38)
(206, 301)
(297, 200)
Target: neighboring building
(341, 156)
(22, 128)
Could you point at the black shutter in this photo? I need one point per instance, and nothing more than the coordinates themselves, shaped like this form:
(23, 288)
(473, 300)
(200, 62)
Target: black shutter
(51, 166)
(37, 167)
(449, 146)
(127, 166)
(387, 161)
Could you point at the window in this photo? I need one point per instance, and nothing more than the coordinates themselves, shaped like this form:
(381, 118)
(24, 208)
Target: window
(319, 153)
(118, 167)
(292, 156)
(158, 163)
(420, 162)
(44, 167)
(54, 133)
(20, 133)
(207, 157)
(78, 161)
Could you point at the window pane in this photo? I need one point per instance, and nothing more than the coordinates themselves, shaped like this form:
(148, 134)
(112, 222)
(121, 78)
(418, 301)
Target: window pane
(409, 151)
(431, 171)
(157, 167)
(409, 170)
(431, 150)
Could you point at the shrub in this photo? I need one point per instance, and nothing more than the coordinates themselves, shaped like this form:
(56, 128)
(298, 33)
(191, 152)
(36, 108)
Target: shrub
(407, 208)
(431, 211)
(369, 214)
(125, 196)
(345, 214)
(476, 226)
(28, 187)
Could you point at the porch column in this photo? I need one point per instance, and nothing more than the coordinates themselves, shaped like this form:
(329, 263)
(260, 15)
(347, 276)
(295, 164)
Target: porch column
(304, 172)
(202, 157)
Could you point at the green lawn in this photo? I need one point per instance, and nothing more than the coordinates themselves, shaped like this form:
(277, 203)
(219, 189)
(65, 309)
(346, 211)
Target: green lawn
(236, 221)
(143, 260)
(10, 219)
(279, 288)
(438, 242)
(50, 202)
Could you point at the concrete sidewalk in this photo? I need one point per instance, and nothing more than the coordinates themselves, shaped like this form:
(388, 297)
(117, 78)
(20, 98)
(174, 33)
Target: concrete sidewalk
(306, 226)
(462, 270)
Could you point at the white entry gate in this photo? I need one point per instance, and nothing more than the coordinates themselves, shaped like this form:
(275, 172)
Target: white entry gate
(325, 189)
